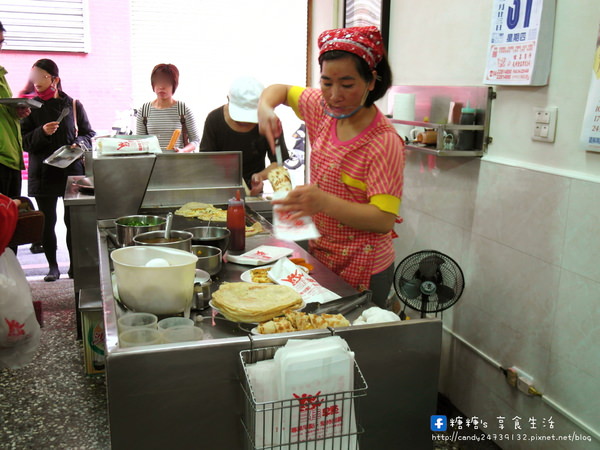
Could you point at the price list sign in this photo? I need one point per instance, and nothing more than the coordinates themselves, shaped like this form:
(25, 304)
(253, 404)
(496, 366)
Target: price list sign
(520, 42)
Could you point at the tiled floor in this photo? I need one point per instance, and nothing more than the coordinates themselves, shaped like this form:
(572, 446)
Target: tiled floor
(50, 403)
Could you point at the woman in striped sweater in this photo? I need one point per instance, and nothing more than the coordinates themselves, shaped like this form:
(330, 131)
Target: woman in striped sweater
(356, 161)
(164, 115)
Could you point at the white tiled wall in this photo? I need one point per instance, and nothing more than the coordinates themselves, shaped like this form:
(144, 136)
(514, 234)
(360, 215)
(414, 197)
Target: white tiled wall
(529, 245)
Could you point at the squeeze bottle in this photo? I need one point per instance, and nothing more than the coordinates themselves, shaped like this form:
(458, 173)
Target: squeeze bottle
(236, 223)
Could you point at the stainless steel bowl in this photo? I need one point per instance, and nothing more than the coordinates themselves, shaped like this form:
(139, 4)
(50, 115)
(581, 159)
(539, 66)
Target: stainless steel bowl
(130, 226)
(179, 239)
(211, 236)
(210, 258)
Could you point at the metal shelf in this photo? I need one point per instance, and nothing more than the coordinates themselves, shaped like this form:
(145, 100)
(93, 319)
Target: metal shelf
(432, 102)
(434, 151)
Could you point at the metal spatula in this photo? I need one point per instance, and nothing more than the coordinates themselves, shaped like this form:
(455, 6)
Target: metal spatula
(278, 151)
(63, 113)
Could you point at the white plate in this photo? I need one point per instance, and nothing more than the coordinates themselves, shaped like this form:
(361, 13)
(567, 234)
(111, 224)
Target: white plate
(247, 275)
(212, 305)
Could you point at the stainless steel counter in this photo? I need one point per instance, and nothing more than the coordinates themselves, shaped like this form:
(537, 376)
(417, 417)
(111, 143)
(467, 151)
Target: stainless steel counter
(187, 395)
(230, 273)
(82, 216)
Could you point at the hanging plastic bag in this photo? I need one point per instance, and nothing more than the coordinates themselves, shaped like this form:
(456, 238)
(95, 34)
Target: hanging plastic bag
(19, 329)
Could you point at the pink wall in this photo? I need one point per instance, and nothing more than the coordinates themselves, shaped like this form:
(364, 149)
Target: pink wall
(101, 79)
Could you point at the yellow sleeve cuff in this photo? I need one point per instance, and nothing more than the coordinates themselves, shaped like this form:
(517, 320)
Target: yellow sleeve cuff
(347, 179)
(293, 99)
(387, 203)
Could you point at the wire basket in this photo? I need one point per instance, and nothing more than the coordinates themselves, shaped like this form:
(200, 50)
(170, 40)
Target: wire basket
(306, 422)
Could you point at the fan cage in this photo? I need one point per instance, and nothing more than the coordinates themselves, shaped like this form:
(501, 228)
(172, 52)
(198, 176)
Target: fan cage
(451, 275)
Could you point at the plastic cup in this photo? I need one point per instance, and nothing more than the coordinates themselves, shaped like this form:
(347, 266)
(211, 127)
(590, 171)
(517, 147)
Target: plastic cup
(139, 336)
(170, 322)
(137, 320)
(183, 334)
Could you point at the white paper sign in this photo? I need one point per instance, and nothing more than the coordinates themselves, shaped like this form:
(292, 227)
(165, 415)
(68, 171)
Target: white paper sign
(520, 42)
(590, 130)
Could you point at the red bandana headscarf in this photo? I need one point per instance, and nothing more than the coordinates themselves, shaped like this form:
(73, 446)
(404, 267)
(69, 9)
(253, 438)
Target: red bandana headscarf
(365, 42)
(8, 221)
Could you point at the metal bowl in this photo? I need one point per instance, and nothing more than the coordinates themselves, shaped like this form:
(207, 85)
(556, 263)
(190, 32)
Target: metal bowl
(211, 236)
(130, 226)
(179, 239)
(210, 258)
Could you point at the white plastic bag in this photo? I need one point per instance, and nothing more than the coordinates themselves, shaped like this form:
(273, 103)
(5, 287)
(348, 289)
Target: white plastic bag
(287, 273)
(292, 230)
(19, 329)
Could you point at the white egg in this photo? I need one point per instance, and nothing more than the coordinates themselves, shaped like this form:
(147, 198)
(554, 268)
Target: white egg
(158, 262)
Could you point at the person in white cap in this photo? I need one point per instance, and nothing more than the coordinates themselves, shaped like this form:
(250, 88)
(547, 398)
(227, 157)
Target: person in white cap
(234, 127)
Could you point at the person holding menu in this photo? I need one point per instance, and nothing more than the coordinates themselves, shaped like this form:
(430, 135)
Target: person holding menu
(356, 162)
(11, 143)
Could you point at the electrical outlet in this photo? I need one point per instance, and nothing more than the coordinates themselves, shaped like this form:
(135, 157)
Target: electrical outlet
(544, 123)
(517, 378)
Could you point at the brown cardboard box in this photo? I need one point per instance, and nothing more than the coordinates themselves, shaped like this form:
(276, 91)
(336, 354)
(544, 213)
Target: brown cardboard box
(92, 330)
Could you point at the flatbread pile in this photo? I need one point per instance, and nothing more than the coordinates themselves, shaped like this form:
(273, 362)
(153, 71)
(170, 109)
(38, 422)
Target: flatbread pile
(280, 179)
(202, 211)
(252, 303)
(299, 321)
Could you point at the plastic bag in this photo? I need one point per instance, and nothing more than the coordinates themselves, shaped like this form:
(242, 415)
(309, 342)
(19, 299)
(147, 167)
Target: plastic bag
(19, 329)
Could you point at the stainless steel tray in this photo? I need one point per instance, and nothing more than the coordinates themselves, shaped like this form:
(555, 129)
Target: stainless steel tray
(64, 156)
(21, 102)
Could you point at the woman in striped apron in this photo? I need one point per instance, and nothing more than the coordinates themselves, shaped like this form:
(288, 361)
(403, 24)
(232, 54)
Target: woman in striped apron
(356, 161)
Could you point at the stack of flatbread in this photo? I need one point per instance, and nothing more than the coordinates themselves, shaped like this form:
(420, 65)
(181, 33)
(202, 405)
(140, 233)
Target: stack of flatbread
(299, 321)
(203, 211)
(253, 303)
(280, 179)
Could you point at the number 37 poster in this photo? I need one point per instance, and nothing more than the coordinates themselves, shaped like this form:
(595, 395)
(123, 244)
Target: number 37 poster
(520, 42)
(590, 130)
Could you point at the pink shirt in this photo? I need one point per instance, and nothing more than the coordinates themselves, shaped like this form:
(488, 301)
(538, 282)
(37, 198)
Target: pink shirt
(365, 169)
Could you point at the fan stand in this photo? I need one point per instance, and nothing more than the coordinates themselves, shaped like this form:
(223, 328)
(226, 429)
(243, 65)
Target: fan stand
(427, 288)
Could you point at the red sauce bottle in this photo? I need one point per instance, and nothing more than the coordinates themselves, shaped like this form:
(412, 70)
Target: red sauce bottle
(236, 223)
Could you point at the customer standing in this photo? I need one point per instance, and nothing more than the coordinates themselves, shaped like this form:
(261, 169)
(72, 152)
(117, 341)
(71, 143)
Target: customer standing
(233, 127)
(356, 162)
(42, 136)
(164, 115)
(11, 148)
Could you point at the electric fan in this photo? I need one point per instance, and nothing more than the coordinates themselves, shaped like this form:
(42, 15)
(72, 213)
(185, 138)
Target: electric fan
(428, 281)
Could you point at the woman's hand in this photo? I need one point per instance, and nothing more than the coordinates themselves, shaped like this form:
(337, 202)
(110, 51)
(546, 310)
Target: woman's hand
(50, 128)
(306, 200)
(187, 149)
(269, 124)
(23, 111)
(256, 184)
